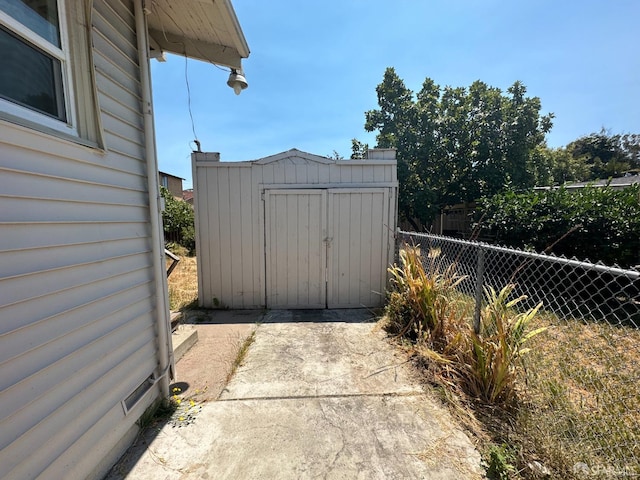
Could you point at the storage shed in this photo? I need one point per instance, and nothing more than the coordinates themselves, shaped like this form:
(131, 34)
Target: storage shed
(294, 230)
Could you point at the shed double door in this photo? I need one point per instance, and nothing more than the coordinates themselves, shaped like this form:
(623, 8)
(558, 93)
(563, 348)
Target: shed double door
(326, 248)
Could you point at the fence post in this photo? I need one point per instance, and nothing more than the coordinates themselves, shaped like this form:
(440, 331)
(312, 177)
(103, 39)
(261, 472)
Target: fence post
(479, 283)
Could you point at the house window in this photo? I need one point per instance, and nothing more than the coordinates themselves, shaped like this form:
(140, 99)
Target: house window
(34, 59)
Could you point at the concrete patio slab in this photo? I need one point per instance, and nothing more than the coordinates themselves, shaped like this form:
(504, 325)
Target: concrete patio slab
(314, 399)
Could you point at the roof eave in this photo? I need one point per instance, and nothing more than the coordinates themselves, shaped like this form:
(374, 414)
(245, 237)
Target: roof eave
(207, 50)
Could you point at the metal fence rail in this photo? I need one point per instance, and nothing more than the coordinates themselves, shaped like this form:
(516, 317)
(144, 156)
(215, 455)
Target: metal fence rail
(591, 359)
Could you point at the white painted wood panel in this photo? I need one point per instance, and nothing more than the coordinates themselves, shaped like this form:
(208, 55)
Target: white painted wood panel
(295, 248)
(358, 228)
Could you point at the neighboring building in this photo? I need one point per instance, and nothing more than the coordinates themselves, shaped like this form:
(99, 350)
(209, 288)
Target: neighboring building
(85, 346)
(187, 196)
(455, 220)
(171, 183)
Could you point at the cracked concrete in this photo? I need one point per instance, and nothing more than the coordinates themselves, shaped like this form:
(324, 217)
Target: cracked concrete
(320, 395)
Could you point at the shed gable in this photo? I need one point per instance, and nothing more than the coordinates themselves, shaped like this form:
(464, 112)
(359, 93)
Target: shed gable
(295, 157)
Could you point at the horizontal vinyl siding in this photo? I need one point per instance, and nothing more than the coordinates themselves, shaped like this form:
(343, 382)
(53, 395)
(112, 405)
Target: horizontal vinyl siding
(106, 432)
(117, 77)
(15, 183)
(34, 209)
(113, 169)
(77, 300)
(25, 261)
(59, 430)
(38, 235)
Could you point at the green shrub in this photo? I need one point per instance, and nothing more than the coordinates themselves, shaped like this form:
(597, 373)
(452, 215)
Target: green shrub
(500, 460)
(178, 221)
(599, 224)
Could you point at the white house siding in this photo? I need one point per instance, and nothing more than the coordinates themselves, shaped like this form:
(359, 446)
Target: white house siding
(77, 300)
(230, 216)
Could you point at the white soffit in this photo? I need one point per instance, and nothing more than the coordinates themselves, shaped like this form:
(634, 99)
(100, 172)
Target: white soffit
(202, 29)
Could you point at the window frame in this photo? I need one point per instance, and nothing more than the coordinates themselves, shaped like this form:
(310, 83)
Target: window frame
(63, 55)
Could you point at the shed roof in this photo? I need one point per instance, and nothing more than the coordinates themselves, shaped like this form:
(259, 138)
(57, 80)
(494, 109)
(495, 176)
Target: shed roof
(379, 156)
(294, 153)
(205, 30)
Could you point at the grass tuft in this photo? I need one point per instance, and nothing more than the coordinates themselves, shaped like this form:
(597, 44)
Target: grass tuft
(242, 353)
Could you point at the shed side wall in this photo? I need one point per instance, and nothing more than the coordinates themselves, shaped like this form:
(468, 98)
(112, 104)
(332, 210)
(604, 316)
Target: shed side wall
(227, 206)
(77, 299)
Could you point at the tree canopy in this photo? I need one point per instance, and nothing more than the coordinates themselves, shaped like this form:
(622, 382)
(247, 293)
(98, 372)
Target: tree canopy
(606, 155)
(599, 155)
(457, 144)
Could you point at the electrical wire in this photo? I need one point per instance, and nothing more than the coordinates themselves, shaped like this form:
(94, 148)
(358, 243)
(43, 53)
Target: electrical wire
(155, 6)
(186, 79)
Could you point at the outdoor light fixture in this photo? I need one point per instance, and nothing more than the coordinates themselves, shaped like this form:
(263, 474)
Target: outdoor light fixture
(237, 81)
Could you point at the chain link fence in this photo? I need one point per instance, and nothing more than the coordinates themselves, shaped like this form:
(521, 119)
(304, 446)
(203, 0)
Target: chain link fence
(583, 374)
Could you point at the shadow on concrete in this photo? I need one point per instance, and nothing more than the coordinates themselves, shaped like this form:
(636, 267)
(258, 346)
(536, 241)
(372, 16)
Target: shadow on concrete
(216, 317)
(346, 315)
(151, 427)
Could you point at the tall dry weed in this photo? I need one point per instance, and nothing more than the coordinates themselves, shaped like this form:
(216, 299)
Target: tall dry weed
(425, 307)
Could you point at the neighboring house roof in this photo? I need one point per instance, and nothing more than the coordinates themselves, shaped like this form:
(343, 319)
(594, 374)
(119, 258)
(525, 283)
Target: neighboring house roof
(619, 182)
(207, 31)
(187, 196)
(164, 174)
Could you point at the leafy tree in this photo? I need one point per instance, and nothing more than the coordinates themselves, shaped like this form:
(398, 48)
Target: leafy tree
(607, 155)
(178, 220)
(562, 167)
(631, 145)
(457, 144)
(358, 149)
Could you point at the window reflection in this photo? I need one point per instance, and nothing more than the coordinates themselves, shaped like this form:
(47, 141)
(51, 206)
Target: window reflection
(40, 16)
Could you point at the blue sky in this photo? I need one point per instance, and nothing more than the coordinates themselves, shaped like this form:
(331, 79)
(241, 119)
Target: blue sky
(314, 67)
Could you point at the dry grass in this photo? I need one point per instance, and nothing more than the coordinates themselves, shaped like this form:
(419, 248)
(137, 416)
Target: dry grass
(580, 402)
(577, 402)
(183, 284)
(575, 409)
